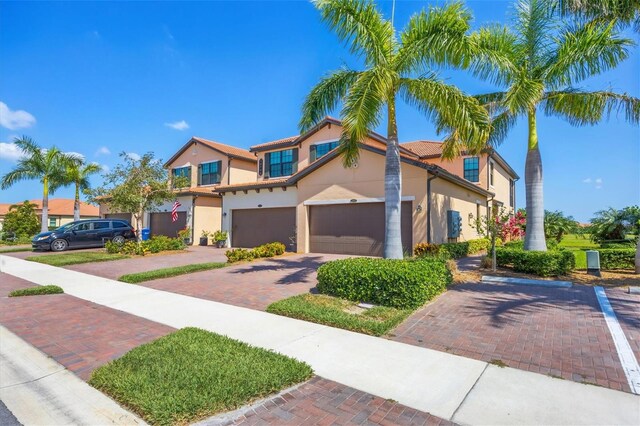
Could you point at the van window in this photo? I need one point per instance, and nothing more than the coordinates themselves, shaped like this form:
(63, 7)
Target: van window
(101, 225)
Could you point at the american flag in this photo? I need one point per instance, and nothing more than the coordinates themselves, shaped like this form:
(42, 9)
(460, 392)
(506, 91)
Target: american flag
(174, 210)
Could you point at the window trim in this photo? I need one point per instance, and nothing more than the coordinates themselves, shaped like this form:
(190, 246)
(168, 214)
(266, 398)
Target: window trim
(313, 156)
(475, 170)
(218, 172)
(268, 164)
(173, 169)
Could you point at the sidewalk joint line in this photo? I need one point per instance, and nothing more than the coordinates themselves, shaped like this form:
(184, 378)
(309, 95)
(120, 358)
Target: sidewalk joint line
(467, 394)
(33, 380)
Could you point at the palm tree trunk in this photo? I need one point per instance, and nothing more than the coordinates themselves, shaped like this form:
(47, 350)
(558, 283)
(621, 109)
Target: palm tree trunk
(44, 225)
(76, 204)
(534, 236)
(392, 188)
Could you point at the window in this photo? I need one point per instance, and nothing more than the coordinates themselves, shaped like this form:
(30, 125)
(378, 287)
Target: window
(472, 169)
(120, 225)
(209, 173)
(83, 226)
(321, 149)
(491, 174)
(281, 163)
(52, 221)
(181, 172)
(101, 225)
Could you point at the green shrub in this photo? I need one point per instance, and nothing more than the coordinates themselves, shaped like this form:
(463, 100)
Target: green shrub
(617, 258)
(542, 263)
(452, 250)
(269, 250)
(36, 291)
(551, 244)
(426, 249)
(155, 244)
(629, 243)
(396, 283)
(236, 255)
(481, 244)
(515, 245)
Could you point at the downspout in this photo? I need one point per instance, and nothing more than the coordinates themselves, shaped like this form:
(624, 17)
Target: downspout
(435, 175)
(193, 219)
(229, 171)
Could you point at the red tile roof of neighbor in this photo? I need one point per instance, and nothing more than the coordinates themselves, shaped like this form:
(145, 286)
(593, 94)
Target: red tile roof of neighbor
(424, 148)
(58, 207)
(227, 149)
(277, 142)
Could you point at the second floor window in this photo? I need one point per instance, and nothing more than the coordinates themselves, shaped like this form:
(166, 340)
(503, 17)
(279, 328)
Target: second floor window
(209, 173)
(472, 169)
(281, 163)
(181, 172)
(321, 149)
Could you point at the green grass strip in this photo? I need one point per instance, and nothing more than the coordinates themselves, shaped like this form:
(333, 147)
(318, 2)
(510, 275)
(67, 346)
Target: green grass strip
(37, 291)
(335, 312)
(169, 272)
(14, 249)
(75, 258)
(192, 374)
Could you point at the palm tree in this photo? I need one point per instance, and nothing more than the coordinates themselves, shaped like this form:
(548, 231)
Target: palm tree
(625, 12)
(77, 174)
(46, 165)
(540, 63)
(395, 66)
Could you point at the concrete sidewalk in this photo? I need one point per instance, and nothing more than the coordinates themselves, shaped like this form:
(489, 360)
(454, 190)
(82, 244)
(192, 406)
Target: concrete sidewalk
(459, 389)
(39, 391)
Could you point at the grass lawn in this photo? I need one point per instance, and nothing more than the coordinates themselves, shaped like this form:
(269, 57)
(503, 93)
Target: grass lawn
(14, 249)
(75, 258)
(340, 313)
(573, 241)
(36, 291)
(192, 374)
(169, 272)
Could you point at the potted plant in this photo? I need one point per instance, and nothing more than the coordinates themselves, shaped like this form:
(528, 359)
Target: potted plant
(185, 235)
(204, 238)
(220, 237)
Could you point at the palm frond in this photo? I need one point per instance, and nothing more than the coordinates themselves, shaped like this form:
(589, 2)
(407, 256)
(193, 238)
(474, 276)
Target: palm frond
(535, 24)
(20, 173)
(501, 125)
(461, 116)
(361, 110)
(580, 108)
(495, 54)
(585, 51)
(359, 24)
(623, 12)
(326, 96)
(436, 37)
(524, 94)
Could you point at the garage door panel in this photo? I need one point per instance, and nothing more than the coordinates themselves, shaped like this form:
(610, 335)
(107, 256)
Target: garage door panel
(253, 227)
(354, 228)
(161, 224)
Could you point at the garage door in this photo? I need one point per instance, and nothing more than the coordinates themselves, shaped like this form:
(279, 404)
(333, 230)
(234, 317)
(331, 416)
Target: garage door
(119, 216)
(253, 227)
(354, 228)
(161, 224)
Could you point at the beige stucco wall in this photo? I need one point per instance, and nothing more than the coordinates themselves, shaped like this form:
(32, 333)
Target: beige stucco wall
(333, 182)
(241, 171)
(207, 216)
(501, 186)
(456, 166)
(445, 196)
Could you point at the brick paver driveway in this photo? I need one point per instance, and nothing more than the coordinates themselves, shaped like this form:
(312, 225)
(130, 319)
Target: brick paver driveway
(252, 285)
(78, 334)
(554, 331)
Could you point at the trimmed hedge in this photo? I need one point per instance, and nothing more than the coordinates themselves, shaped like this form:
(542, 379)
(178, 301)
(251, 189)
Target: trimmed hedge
(395, 283)
(155, 244)
(37, 291)
(452, 250)
(623, 258)
(542, 263)
(265, 250)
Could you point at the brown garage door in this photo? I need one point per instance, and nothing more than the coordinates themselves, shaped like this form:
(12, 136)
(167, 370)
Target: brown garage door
(161, 224)
(253, 227)
(120, 216)
(354, 228)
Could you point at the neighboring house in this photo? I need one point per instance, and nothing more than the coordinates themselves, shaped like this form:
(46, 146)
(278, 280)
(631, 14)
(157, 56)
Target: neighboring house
(305, 198)
(206, 164)
(60, 211)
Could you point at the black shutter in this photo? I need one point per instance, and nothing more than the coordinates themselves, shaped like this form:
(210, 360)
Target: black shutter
(294, 165)
(218, 176)
(199, 174)
(267, 164)
(312, 153)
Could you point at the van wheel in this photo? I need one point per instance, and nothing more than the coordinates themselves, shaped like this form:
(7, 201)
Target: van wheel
(59, 245)
(118, 239)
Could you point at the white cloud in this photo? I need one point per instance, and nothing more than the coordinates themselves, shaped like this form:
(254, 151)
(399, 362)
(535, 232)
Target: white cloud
(134, 156)
(598, 183)
(587, 180)
(178, 125)
(13, 120)
(10, 152)
(103, 150)
(105, 168)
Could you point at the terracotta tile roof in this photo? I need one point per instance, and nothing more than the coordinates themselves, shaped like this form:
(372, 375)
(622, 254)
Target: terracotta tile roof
(58, 207)
(272, 144)
(424, 148)
(227, 149)
(4, 209)
(257, 184)
(203, 190)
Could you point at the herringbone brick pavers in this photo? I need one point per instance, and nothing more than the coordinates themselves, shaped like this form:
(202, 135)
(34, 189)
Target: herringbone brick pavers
(554, 331)
(78, 334)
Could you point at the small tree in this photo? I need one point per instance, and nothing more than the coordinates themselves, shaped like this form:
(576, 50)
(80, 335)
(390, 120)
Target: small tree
(499, 224)
(136, 186)
(22, 219)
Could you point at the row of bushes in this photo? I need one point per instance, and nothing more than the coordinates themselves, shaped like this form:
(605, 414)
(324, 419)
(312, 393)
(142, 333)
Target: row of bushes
(155, 244)
(542, 263)
(401, 284)
(452, 250)
(265, 250)
(621, 258)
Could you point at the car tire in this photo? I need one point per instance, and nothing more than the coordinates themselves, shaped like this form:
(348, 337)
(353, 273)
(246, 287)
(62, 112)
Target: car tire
(118, 239)
(59, 245)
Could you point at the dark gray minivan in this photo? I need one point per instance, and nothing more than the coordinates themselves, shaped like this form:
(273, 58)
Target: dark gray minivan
(83, 234)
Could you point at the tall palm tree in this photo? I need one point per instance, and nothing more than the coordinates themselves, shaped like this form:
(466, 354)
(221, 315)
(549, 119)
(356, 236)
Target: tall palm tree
(396, 65)
(77, 174)
(625, 12)
(46, 165)
(539, 62)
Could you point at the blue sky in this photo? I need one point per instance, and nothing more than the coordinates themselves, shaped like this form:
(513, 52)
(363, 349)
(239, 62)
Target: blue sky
(106, 77)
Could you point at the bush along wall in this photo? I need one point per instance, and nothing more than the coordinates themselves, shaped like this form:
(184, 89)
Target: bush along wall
(623, 258)
(452, 250)
(542, 263)
(401, 284)
(265, 250)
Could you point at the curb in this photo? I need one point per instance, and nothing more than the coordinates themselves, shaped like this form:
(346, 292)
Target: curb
(523, 281)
